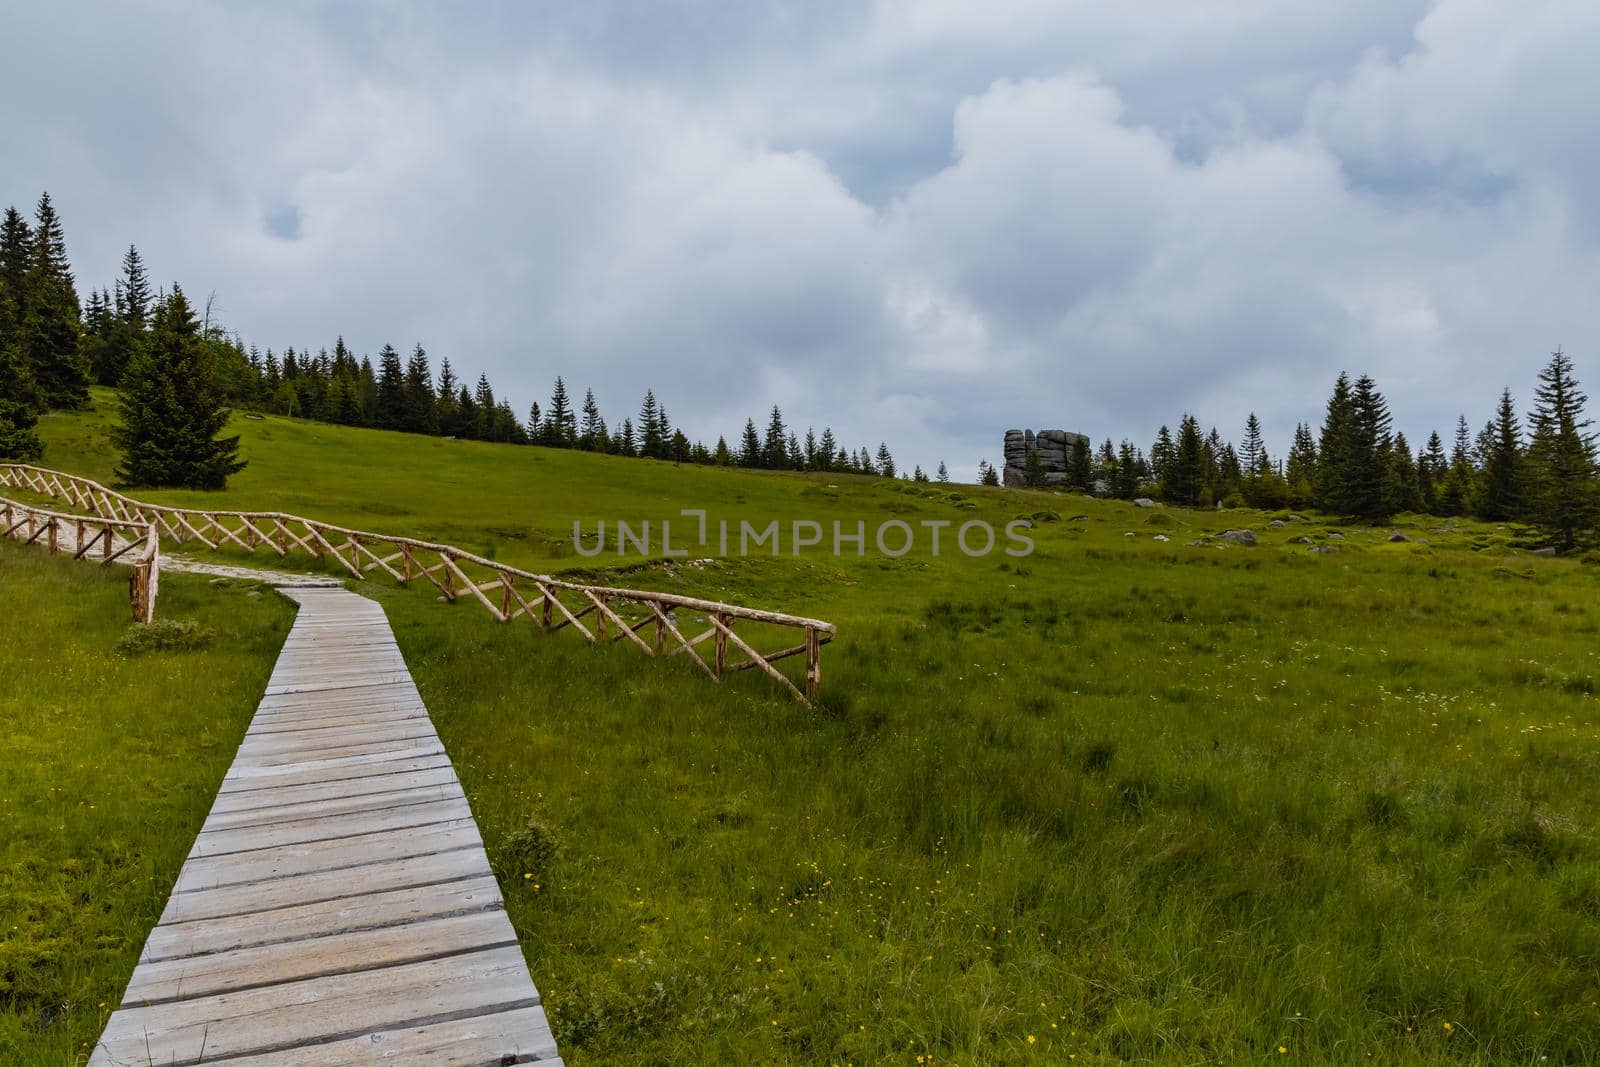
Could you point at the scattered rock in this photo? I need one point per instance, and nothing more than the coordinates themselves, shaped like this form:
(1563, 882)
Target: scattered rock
(1544, 552)
(1336, 536)
(1397, 536)
(254, 594)
(1276, 524)
(1143, 502)
(1323, 550)
(1301, 540)
(1079, 518)
(1296, 518)
(1240, 537)
(1198, 542)
(1161, 537)
(1130, 533)
(220, 581)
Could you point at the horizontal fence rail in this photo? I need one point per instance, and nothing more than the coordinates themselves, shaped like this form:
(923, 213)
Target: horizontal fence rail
(93, 538)
(506, 592)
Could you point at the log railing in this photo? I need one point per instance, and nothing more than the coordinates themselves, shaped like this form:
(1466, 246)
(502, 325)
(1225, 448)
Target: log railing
(93, 538)
(506, 592)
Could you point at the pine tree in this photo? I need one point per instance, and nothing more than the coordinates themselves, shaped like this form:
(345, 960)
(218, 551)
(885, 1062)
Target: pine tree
(16, 255)
(1334, 450)
(390, 413)
(987, 475)
(446, 415)
(592, 427)
(420, 401)
(750, 454)
(171, 410)
(1367, 461)
(1253, 450)
(943, 476)
(651, 445)
(1301, 471)
(626, 445)
(722, 457)
(484, 407)
(135, 290)
(810, 454)
(1185, 475)
(1403, 483)
(1432, 467)
(1501, 496)
(775, 454)
(1456, 494)
(50, 322)
(1126, 483)
(678, 448)
(1565, 499)
(885, 460)
(561, 425)
(1161, 454)
(827, 450)
(795, 459)
(917, 474)
(18, 400)
(1032, 470)
(1079, 470)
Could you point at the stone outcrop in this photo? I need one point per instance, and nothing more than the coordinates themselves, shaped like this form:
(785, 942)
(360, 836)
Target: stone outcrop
(1055, 454)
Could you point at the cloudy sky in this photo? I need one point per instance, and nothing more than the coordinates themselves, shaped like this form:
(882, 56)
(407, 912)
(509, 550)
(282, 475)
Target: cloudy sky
(921, 221)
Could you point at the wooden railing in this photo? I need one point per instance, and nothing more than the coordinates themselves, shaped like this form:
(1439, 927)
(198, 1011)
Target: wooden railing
(507, 593)
(93, 538)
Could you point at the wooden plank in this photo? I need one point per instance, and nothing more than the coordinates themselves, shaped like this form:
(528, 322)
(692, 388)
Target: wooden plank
(321, 829)
(314, 1010)
(367, 911)
(472, 1042)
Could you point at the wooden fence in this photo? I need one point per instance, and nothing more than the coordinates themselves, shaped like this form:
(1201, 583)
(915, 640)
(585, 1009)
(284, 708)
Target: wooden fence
(93, 538)
(507, 593)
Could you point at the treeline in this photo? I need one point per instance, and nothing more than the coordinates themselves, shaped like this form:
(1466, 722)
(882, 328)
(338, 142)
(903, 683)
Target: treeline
(1358, 466)
(51, 348)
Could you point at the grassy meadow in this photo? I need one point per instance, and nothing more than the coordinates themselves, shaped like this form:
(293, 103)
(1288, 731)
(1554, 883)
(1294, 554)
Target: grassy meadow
(115, 739)
(1129, 799)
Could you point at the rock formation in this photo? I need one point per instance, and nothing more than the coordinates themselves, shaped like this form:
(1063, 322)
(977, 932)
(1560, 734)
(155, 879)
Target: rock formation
(1055, 455)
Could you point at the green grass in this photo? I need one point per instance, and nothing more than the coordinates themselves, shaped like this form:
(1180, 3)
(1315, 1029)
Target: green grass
(113, 749)
(1136, 800)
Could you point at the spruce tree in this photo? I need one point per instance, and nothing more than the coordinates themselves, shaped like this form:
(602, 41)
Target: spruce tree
(1431, 469)
(827, 450)
(447, 415)
(1032, 470)
(943, 475)
(18, 400)
(750, 453)
(391, 410)
(987, 475)
(16, 255)
(1253, 450)
(1334, 450)
(590, 430)
(560, 424)
(1366, 463)
(1402, 483)
(650, 439)
(626, 444)
(1186, 471)
(51, 318)
(774, 451)
(419, 403)
(885, 460)
(1501, 496)
(1080, 472)
(722, 456)
(1565, 498)
(171, 410)
(1126, 483)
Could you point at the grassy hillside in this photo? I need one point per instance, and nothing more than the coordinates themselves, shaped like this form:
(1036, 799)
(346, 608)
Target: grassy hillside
(1126, 799)
(113, 751)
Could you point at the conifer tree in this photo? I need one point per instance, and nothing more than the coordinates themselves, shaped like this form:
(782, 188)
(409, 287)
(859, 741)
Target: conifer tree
(1032, 470)
(1161, 454)
(1080, 472)
(810, 450)
(943, 476)
(750, 453)
(1501, 496)
(626, 444)
(446, 415)
(1253, 450)
(51, 318)
(679, 449)
(590, 431)
(561, 425)
(1431, 469)
(1126, 483)
(1565, 499)
(827, 450)
(1186, 470)
(885, 460)
(987, 475)
(1402, 483)
(1334, 449)
(391, 409)
(650, 442)
(795, 459)
(420, 401)
(171, 410)
(1367, 462)
(722, 456)
(16, 255)
(775, 453)
(18, 400)
(484, 407)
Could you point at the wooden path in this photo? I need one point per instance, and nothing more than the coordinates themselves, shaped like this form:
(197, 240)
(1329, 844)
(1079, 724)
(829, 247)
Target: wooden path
(337, 906)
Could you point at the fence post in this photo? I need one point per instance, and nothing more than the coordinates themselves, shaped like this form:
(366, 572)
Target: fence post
(600, 617)
(55, 527)
(722, 644)
(813, 662)
(661, 628)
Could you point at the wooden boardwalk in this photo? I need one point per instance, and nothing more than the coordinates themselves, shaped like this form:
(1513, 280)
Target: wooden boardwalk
(337, 906)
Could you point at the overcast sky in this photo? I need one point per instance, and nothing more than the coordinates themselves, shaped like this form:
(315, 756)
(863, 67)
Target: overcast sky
(921, 221)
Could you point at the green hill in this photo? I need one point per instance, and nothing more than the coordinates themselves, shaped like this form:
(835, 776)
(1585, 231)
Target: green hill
(1130, 797)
